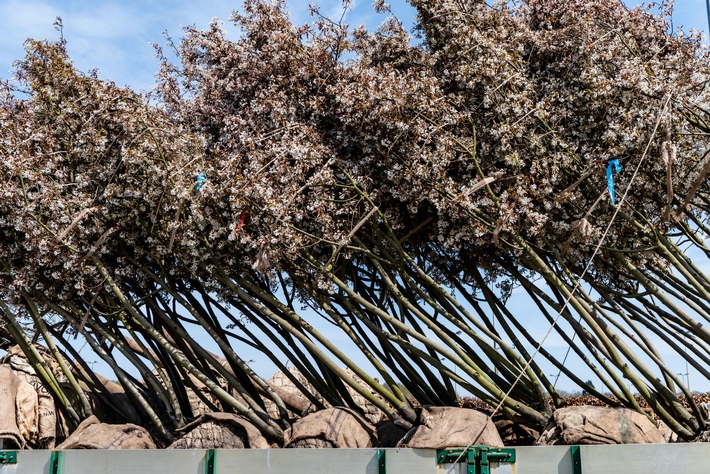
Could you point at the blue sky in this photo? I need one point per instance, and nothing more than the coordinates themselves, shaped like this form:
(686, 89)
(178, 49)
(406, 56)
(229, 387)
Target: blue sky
(115, 38)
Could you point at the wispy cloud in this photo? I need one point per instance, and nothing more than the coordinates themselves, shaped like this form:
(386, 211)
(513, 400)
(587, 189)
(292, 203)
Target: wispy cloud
(17, 19)
(114, 36)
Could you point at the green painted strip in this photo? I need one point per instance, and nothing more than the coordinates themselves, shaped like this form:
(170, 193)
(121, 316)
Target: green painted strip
(452, 455)
(576, 454)
(210, 458)
(55, 462)
(8, 457)
(381, 461)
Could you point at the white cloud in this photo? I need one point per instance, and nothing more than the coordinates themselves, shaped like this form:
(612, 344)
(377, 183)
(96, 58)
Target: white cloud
(18, 21)
(103, 20)
(111, 36)
(18, 18)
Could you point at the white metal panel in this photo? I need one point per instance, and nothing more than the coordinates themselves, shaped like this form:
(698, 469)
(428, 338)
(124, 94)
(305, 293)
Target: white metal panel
(35, 462)
(147, 461)
(503, 468)
(325, 461)
(685, 458)
(296, 461)
(616, 459)
(453, 468)
(411, 461)
(543, 460)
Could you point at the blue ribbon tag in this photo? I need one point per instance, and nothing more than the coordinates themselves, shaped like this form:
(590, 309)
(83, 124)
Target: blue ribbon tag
(201, 178)
(610, 178)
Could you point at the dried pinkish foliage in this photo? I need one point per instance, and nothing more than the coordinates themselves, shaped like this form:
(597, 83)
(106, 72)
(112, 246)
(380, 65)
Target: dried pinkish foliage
(366, 174)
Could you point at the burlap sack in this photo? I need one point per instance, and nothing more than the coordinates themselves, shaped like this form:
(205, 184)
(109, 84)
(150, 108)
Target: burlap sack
(46, 411)
(283, 385)
(92, 434)
(17, 359)
(46, 414)
(668, 434)
(219, 431)
(108, 399)
(338, 427)
(444, 427)
(389, 434)
(27, 405)
(513, 433)
(9, 431)
(373, 414)
(198, 406)
(47, 424)
(599, 425)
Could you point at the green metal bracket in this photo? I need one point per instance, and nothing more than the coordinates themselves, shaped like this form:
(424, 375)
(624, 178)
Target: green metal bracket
(451, 455)
(8, 457)
(210, 458)
(478, 458)
(381, 461)
(488, 455)
(55, 462)
(576, 453)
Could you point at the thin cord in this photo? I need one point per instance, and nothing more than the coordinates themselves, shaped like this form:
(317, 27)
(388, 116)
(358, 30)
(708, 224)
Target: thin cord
(578, 282)
(569, 348)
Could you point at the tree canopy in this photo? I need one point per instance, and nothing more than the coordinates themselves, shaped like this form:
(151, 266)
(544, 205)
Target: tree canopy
(398, 187)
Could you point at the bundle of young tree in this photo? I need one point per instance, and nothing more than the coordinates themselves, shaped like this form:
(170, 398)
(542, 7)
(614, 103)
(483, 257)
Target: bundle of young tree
(400, 190)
